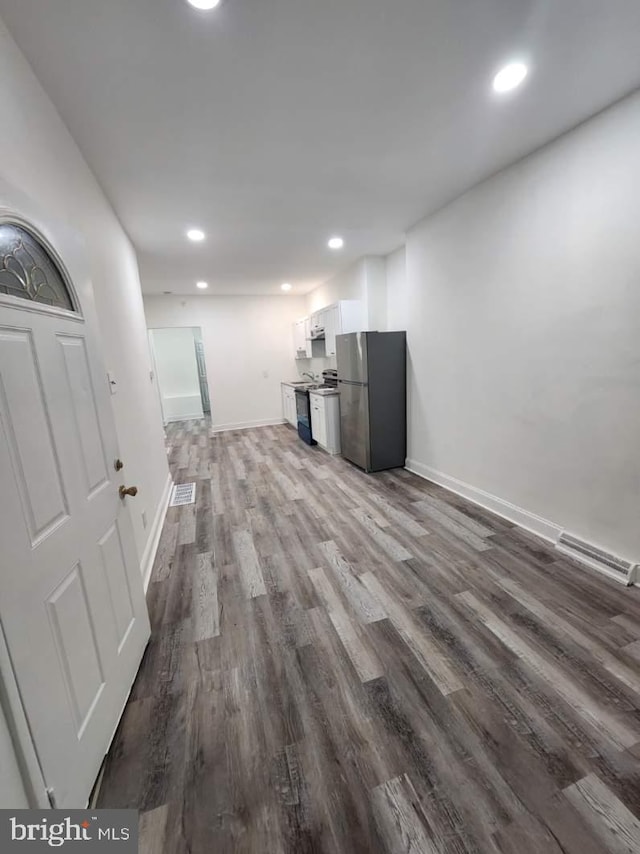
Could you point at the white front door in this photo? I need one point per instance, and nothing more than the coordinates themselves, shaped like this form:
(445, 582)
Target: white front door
(72, 606)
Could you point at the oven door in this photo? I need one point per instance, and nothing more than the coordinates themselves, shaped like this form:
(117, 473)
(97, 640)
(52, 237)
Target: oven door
(303, 410)
(302, 407)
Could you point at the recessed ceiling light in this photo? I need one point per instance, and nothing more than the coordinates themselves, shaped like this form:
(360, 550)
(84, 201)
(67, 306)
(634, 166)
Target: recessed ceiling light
(510, 77)
(195, 234)
(335, 243)
(202, 285)
(204, 4)
(286, 286)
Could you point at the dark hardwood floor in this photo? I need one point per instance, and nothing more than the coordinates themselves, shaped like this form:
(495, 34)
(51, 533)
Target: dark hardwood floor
(346, 663)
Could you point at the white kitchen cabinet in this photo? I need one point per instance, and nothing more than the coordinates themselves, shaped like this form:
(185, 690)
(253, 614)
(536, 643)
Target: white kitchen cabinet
(325, 421)
(331, 329)
(318, 423)
(301, 338)
(289, 412)
(292, 412)
(307, 338)
(339, 319)
(316, 321)
(296, 339)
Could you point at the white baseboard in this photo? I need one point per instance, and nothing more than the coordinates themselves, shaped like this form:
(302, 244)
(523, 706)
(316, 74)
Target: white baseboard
(246, 425)
(149, 555)
(523, 518)
(195, 416)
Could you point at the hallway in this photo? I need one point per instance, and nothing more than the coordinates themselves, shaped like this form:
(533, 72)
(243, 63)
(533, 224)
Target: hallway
(345, 663)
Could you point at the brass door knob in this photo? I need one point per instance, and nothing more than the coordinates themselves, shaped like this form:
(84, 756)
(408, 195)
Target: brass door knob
(118, 465)
(128, 490)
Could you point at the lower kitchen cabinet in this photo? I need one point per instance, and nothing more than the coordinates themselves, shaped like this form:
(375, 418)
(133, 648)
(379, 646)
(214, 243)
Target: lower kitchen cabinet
(325, 421)
(289, 411)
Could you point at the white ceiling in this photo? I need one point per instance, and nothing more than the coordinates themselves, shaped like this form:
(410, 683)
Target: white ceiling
(273, 124)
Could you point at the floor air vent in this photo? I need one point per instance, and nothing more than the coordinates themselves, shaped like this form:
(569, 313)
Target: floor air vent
(621, 570)
(183, 493)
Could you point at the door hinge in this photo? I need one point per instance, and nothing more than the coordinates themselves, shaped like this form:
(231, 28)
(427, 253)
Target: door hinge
(51, 795)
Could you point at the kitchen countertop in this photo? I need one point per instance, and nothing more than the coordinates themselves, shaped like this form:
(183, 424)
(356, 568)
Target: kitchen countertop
(323, 392)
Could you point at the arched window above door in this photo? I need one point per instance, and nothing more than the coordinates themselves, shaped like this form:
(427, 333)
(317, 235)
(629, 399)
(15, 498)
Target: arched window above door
(28, 270)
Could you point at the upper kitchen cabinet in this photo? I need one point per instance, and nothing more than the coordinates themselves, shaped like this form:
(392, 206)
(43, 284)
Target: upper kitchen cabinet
(309, 333)
(342, 317)
(316, 322)
(302, 338)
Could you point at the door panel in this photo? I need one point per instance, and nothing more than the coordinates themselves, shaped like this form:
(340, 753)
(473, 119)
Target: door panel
(354, 422)
(202, 378)
(331, 329)
(117, 581)
(28, 434)
(293, 412)
(84, 410)
(75, 642)
(318, 425)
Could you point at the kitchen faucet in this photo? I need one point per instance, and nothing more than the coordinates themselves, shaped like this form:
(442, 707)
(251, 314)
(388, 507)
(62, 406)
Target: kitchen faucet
(311, 376)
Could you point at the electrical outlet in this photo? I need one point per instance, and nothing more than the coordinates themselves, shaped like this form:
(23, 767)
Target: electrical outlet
(144, 518)
(265, 375)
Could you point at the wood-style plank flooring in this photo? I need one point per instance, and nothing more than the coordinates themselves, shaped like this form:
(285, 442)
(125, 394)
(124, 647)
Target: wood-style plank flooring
(346, 663)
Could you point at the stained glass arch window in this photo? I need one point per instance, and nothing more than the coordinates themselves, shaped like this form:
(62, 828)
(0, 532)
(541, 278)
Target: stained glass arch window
(28, 270)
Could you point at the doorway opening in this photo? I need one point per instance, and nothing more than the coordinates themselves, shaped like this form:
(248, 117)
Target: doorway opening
(181, 372)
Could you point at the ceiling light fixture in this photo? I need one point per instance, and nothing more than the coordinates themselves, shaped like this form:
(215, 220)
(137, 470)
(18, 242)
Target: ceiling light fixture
(510, 77)
(196, 234)
(335, 243)
(202, 285)
(286, 286)
(205, 5)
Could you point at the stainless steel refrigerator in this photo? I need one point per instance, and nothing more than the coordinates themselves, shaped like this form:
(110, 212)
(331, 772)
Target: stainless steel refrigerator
(372, 380)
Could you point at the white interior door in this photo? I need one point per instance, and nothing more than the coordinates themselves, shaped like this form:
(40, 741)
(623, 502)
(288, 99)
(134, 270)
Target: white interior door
(72, 606)
(202, 377)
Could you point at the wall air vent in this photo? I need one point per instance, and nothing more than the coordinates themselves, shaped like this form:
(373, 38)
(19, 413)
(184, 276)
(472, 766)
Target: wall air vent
(620, 570)
(182, 493)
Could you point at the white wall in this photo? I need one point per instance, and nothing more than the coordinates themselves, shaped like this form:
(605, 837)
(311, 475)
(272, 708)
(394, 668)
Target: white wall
(396, 293)
(348, 284)
(41, 169)
(523, 318)
(177, 373)
(39, 159)
(244, 338)
(375, 293)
